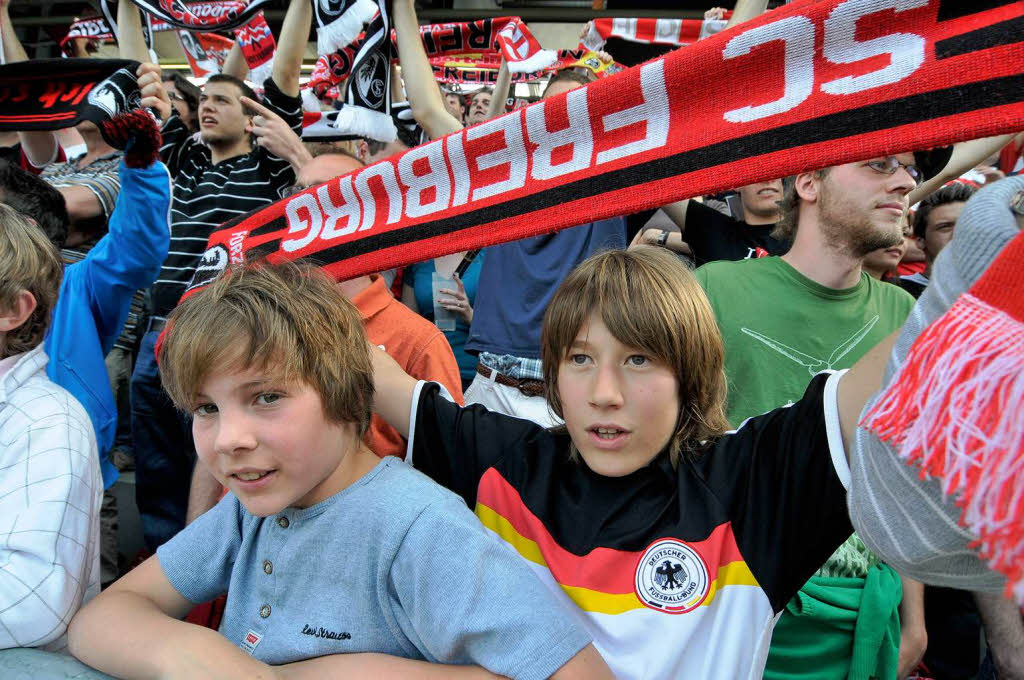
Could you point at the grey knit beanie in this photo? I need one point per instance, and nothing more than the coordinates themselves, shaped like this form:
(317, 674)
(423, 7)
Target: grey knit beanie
(908, 521)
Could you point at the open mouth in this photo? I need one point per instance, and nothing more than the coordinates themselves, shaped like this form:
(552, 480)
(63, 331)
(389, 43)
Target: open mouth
(253, 476)
(607, 434)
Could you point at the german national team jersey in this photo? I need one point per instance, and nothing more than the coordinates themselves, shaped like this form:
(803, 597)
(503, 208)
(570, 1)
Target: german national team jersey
(676, 573)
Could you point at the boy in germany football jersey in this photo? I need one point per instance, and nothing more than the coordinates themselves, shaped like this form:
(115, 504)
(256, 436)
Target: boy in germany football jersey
(677, 543)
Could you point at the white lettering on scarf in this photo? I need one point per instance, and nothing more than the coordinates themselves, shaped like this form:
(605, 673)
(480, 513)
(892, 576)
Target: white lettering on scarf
(576, 135)
(512, 153)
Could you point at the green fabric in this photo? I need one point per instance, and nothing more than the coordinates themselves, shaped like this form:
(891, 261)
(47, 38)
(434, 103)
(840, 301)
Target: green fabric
(780, 328)
(839, 629)
(850, 560)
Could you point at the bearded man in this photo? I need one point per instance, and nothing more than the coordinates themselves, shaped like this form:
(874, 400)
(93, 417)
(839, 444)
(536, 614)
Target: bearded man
(784, 319)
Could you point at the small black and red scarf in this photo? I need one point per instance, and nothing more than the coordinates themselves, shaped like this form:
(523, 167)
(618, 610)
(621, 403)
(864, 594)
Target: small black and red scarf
(484, 40)
(811, 84)
(258, 46)
(103, 28)
(51, 94)
(214, 15)
(366, 106)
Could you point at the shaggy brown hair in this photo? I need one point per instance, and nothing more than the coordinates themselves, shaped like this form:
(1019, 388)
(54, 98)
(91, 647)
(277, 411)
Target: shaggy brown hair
(289, 319)
(649, 300)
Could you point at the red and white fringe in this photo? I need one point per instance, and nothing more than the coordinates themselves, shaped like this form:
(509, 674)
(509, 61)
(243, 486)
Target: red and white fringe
(345, 28)
(955, 410)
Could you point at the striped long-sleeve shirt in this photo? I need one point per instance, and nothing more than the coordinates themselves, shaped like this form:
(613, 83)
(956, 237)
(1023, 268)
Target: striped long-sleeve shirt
(207, 195)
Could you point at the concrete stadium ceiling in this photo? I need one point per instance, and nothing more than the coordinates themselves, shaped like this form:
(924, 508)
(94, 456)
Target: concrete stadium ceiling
(42, 23)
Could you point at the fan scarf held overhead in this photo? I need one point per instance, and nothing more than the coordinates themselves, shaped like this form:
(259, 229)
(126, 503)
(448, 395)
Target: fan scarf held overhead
(367, 107)
(51, 94)
(363, 58)
(217, 15)
(640, 138)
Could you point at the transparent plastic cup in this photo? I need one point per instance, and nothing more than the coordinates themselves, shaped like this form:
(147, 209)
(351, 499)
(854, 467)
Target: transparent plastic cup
(444, 319)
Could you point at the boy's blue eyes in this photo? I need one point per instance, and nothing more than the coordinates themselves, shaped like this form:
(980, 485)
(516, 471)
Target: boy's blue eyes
(633, 359)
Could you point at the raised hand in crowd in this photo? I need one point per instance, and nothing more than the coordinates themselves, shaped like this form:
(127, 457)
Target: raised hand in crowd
(291, 45)
(131, 44)
(271, 132)
(458, 301)
(714, 13)
(151, 86)
(420, 87)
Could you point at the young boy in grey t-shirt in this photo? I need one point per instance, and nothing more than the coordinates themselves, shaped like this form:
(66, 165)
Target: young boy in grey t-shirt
(324, 549)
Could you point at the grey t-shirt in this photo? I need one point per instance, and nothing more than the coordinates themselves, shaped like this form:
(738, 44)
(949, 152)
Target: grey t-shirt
(393, 564)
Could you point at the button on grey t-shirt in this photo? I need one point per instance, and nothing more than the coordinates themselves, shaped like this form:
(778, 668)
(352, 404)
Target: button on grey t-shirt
(393, 564)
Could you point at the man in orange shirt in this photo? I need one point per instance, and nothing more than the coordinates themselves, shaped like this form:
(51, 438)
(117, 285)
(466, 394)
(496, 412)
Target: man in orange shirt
(415, 343)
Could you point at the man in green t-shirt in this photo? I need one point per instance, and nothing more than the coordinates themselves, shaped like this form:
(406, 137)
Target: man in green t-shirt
(784, 319)
(787, 318)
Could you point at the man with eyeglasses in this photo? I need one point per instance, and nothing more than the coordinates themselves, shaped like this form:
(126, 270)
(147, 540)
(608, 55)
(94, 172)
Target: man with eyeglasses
(184, 98)
(784, 319)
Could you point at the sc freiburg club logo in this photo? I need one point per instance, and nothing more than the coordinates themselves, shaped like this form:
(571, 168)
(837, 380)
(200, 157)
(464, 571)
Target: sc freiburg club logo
(671, 577)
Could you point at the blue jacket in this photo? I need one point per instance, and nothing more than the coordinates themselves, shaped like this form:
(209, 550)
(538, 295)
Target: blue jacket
(96, 294)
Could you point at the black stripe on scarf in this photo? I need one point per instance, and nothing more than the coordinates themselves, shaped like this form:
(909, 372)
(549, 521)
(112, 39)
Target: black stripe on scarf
(904, 111)
(51, 94)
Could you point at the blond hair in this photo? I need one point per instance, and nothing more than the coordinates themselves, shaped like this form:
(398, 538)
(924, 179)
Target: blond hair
(649, 300)
(289, 319)
(28, 261)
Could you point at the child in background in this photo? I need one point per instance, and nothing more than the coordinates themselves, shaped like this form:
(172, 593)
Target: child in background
(325, 549)
(50, 485)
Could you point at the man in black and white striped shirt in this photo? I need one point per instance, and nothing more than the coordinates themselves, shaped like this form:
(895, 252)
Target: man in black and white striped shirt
(220, 178)
(225, 175)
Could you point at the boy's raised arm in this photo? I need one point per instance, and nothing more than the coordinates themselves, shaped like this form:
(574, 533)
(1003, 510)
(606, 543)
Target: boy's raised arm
(857, 386)
(132, 630)
(393, 391)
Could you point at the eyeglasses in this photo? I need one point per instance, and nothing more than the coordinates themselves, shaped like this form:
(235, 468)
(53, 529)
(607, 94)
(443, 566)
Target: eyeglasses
(890, 164)
(295, 189)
